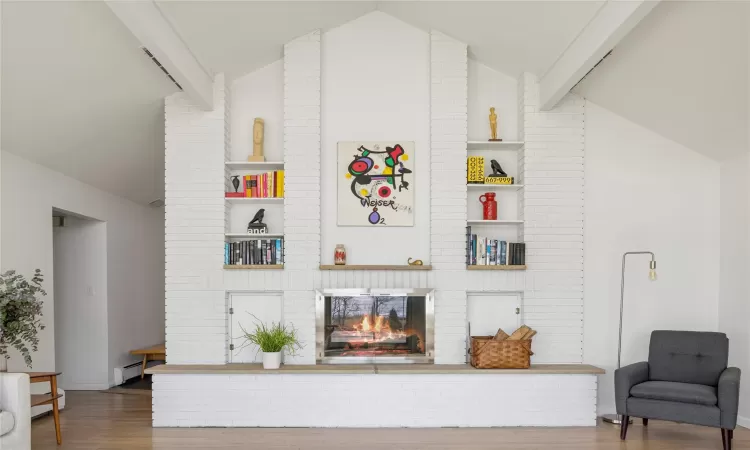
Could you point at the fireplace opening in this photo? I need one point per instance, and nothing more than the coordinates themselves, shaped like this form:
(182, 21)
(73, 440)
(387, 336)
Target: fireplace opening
(369, 326)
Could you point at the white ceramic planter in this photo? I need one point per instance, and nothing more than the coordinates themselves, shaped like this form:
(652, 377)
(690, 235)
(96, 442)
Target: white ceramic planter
(271, 360)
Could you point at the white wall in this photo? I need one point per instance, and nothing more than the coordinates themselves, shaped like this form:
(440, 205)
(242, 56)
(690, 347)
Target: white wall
(734, 308)
(644, 192)
(135, 264)
(80, 293)
(489, 88)
(375, 86)
(258, 94)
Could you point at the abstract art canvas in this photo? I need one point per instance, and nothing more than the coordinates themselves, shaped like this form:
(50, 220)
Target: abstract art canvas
(376, 184)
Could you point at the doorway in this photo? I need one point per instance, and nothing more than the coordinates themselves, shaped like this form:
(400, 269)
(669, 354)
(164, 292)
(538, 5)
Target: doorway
(80, 301)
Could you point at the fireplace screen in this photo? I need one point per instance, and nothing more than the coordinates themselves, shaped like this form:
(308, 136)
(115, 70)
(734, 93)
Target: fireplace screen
(375, 326)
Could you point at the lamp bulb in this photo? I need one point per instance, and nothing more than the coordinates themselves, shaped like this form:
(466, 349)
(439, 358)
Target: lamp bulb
(652, 274)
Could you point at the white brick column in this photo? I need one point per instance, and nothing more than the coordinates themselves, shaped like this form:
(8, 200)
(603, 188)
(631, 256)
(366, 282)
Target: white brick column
(302, 188)
(448, 135)
(553, 174)
(195, 144)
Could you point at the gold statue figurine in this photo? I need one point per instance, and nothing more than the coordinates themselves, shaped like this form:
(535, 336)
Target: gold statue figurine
(257, 155)
(493, 125)
(416, 262)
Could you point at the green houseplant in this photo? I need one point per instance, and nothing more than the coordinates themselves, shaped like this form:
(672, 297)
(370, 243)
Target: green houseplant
(272, 340)
(20, 312)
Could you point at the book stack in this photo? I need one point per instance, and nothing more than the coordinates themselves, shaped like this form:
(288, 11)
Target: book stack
(483, 251)
(254, 252)
(262, 185)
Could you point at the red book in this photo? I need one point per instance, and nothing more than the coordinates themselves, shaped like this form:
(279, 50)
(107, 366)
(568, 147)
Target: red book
(234, 194)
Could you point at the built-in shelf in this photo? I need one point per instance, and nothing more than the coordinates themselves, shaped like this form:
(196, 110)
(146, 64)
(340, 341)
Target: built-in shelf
(253, 236)
(491, 145)
(245, 200)
(248, 165)
(501, 267)
(494, 222)
(253, 266)
(495, 186)
(374, 267)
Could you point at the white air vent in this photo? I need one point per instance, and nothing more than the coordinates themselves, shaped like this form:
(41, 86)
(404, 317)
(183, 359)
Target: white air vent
(158, 64)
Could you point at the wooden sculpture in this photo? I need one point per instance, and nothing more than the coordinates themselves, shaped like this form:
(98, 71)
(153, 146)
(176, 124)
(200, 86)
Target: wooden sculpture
(493, 125)
(257, 155)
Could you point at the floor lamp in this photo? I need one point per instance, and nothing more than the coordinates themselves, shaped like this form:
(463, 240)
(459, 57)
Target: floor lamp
(615, 418)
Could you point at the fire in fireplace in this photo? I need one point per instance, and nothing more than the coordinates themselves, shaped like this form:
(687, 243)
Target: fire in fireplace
(375, 325)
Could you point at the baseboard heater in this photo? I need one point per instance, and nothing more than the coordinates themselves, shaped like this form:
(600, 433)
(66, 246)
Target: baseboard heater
(123, 374)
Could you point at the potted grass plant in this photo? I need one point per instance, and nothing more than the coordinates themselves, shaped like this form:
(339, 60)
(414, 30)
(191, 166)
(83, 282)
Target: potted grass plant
(272, 340)
(20, 310)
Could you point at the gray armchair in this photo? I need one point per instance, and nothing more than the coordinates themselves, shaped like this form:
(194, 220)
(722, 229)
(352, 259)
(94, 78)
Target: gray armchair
(686, 379)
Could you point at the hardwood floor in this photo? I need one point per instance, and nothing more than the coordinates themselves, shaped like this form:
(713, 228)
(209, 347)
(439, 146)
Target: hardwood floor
(94, 420)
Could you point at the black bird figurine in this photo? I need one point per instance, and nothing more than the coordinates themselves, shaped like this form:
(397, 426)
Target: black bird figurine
(497, 170)
(236, 182)
(258, 217)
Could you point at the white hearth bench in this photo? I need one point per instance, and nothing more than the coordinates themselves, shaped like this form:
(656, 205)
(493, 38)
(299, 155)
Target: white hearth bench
(398, 395)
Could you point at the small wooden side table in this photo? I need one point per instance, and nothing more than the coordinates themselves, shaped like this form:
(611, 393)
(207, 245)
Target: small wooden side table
(155, 353)
(51, 397)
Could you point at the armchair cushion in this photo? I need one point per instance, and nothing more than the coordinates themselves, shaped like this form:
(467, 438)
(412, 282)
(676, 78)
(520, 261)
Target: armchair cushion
(676, 392)
(687, 356)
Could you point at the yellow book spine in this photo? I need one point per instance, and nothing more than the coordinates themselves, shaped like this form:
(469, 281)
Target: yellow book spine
(246, 182)
(280, 184)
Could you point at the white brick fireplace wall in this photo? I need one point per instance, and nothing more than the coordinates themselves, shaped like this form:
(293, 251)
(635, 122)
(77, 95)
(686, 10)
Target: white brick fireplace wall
(551, 166)
(195, 143)
(448, 116)
(552, 161)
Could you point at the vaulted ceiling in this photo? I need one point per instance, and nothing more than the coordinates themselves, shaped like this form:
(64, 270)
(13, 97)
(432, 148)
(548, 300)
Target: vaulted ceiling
(509, 36)
(79, 95)
(683, 73)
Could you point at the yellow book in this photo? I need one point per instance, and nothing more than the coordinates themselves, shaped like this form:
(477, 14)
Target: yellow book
(246, 181)
(280, 184)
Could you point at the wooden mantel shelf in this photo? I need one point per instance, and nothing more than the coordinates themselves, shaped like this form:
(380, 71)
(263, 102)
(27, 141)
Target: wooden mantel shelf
(374, 267)
(416, 369)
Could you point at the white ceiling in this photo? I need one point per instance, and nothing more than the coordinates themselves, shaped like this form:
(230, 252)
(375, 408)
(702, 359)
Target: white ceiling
(238, 37)
(80, 97)
(508, 36)
(683, 73)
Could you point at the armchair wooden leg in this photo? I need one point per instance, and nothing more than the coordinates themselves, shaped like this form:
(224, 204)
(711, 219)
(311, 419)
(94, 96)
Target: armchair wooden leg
(645, 422)
(730, 436)
(726, 439)
(624, 427)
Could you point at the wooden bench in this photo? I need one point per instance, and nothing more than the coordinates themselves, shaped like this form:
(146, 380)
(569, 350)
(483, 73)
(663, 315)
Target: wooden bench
(155, 353)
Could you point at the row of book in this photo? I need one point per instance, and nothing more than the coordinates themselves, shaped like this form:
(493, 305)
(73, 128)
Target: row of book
(254, 252)
(485, 251)
(262, 185)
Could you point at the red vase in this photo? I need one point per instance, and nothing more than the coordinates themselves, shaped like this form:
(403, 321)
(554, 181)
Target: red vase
(489, 204)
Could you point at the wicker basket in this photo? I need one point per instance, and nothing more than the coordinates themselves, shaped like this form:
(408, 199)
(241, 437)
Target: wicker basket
(490, 353)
